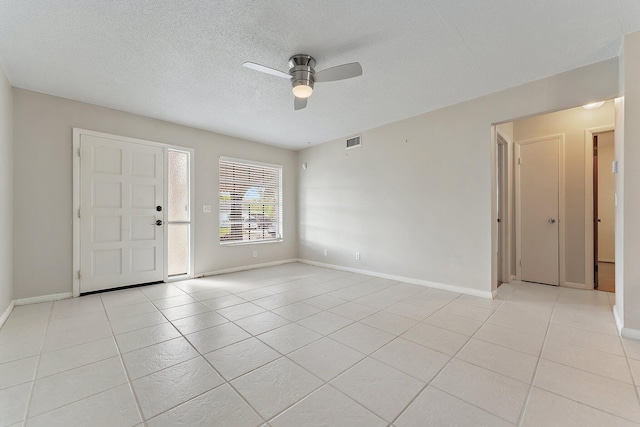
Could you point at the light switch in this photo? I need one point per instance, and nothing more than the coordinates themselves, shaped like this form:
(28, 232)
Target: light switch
(206, 208)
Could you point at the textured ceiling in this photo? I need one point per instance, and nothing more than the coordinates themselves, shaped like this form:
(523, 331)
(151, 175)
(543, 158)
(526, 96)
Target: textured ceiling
(181, 60)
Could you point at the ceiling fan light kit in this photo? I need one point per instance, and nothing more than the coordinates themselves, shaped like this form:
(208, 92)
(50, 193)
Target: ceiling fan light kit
(303, 76)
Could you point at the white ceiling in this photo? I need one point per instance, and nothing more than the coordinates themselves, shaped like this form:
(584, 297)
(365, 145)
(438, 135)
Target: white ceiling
(181, 60)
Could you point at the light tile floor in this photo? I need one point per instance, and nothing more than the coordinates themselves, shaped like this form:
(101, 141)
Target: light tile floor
(297, 345)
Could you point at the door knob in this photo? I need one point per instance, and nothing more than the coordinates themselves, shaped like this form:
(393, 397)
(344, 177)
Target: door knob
(158, 222)
(552, 221)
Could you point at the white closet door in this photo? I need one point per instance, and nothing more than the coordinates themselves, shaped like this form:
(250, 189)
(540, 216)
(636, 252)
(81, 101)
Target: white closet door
(539, 211)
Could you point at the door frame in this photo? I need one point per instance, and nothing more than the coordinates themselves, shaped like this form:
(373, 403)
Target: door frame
(77, 132)
(561, 204)
(504, 187)
(588, 202)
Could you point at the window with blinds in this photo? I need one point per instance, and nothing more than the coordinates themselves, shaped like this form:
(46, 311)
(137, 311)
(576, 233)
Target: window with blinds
(250, 201)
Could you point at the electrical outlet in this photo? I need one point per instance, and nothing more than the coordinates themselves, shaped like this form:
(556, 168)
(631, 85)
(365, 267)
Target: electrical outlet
(358, 255)
(325, 252)
(255, 254)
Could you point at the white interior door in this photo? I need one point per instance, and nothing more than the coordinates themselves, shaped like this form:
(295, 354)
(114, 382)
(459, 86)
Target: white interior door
(121, 240)
(606, 198)
(538, 202)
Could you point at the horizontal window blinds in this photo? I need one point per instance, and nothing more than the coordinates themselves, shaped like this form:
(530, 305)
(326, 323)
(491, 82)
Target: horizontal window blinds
(250, 201)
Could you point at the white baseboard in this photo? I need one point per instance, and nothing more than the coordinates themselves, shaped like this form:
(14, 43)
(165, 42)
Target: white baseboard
(243, 268)
(5, 314)
(625, 332)
(619, 325)
(575, 285)
(43, 298)
(443, 286)
(630, 333)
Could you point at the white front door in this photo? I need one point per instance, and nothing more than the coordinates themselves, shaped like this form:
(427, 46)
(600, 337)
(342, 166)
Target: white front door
(538, 203)
(121, 230)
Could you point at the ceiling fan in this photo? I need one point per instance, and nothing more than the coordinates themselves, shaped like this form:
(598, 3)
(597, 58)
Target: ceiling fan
(303, 76)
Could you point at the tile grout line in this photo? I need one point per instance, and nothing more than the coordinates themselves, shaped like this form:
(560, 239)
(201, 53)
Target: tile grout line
(449, 362)
(35, 373)
(124, 366)
(293, 361)
(225, 381)
(525, 404)
(631, 371)
(436, 375)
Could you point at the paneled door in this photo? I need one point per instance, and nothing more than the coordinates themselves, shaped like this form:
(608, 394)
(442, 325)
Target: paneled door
(538, 204)
(121, 213)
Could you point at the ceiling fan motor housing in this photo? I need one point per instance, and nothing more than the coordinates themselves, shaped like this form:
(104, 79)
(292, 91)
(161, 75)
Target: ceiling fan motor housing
(302, 70)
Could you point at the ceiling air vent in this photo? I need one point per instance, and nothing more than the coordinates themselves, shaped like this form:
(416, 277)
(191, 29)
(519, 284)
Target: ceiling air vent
(354, 142)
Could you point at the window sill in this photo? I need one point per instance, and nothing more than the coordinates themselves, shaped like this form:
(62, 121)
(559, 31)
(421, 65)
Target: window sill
(257, 242)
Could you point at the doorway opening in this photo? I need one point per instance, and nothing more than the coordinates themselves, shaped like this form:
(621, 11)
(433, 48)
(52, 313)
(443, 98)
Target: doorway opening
(571, 260)
(603, 211)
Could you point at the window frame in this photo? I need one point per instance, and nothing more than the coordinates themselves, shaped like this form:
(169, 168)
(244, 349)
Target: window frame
(278, 204)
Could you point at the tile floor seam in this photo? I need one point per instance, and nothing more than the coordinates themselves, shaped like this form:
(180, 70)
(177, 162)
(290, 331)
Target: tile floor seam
(431, 381)
(437, 327)
(301, 398)
(515, 329)
(234, 389)
(525, 404)
(591, 372)
(327, 384)
(225, 381)
(633, 377)
(126, 372)
(145, 420)
(472, 404)
(586, 347)
(79, 400)
(35, 373)
(587, 405)
(491, 370)
(583, 328)
(399, 370)
(75, 367)
(501, 345)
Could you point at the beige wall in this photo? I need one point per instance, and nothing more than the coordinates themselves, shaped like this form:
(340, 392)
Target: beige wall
(606, 196)
(6, 193)
(630, 171)
(416, 200)
(43, 188)
(572, 124)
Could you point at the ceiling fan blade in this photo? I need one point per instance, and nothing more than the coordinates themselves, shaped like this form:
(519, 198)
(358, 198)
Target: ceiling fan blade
(267, 70)
(299, 103)
(340, 72)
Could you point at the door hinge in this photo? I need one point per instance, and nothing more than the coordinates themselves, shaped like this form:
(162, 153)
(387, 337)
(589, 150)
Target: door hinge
(80, 152)
(78, 212)
(79, 275)
(519, 161)
(595, 152)
(520, 261)
(595, 268)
